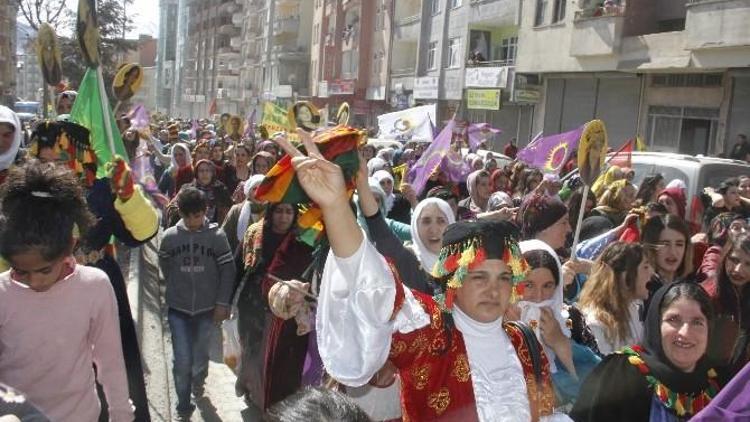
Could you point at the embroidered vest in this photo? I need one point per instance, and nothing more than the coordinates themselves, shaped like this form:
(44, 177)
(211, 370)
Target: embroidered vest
(436, 383)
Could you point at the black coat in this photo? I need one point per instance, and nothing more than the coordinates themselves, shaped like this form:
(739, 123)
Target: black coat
(614, 391)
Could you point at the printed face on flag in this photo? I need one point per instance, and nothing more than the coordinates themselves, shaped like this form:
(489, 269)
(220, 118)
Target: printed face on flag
(591, 151)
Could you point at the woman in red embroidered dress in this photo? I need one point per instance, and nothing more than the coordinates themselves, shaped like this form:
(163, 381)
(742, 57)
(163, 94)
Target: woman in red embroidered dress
(668, 377)
(456, 358)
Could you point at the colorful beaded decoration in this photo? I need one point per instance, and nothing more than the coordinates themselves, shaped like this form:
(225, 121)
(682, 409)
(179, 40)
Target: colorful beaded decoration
(682, 404)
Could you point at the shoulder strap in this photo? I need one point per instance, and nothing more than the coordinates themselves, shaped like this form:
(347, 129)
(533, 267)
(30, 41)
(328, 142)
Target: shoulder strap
(529, 338)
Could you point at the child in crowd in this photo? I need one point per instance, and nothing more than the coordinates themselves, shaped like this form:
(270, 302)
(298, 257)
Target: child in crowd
(199, 270)
(57, 318)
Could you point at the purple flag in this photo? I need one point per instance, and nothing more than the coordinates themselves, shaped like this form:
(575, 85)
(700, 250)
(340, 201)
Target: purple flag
(249, 131)
(431, 158)
(139, 117)
(478, 134)
(550, 153)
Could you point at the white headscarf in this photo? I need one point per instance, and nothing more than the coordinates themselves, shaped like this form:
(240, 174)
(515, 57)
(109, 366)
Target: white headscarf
(426, 257)
(390, 198)
(531, 311)
(245, 213)
(376, 164)
(185, 149)
(8, 157)
(676, 183)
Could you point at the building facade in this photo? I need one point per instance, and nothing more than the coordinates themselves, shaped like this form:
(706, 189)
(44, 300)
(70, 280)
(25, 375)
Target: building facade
(7, 52)
(166, 55)
(350, 50)
(29, 80)
(675, 72)
(275, 51)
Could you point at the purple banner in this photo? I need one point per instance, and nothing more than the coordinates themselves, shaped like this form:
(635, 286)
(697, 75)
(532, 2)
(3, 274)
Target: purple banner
(550, 153)
(478, 134)
(431, 158)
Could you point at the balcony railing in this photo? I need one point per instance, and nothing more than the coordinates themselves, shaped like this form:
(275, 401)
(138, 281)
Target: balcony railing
(600, 12)
(490, 63)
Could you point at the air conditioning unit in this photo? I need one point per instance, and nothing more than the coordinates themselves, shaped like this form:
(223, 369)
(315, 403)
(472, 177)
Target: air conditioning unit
(220, 94)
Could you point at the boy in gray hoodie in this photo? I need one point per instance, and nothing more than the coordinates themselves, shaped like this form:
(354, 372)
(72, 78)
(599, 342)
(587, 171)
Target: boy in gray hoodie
(199, 270)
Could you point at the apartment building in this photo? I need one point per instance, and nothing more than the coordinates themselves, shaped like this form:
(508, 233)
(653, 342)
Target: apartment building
(275, 52)
(208, 56)
(350, 50)
(673, 71)
(7, 52)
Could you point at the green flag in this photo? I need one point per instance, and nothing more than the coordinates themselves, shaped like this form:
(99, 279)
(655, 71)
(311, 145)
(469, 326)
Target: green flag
(88, 111)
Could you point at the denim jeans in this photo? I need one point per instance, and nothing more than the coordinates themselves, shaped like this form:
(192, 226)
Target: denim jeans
(191, 336)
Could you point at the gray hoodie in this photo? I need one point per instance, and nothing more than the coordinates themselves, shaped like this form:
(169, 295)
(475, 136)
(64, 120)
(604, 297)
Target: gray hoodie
(198, 267)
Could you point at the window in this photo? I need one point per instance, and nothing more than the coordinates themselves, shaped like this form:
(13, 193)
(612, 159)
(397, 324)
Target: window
(435, 7)
(454, 52)
(349, 64)
(508, 48)
(687, 130)
(559, 11)
(455, 3)
(377, 63)
(432, 55)
(380, 17)
(675, 80)
(541, 5)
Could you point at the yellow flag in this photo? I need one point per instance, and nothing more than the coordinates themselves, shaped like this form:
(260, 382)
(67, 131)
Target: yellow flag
(399, 173)
(640, 144)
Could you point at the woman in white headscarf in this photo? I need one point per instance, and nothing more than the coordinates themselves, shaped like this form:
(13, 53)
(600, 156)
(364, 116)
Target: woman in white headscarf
(180, 170)
(429, 220)
(478, 185)
(542, 308)
(11, 133)
(386, 183)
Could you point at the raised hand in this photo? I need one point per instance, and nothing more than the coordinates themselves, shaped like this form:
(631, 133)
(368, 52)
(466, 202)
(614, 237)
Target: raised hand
(322, 180)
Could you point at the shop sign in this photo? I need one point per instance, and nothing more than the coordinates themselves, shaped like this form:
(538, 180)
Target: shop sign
(341, 87)
(426, 88)
(483, 99)
(531, 96)
(323, 89)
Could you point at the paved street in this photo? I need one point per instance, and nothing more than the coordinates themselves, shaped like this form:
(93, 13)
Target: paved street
(147, 303)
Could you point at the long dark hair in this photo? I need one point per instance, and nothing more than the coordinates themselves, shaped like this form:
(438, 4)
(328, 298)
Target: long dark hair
(648, 188)
(652, 231)
(316, 404)
(41, 205)
(735, 302)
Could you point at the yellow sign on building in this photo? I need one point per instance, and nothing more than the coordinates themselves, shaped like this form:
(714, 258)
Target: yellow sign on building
(484, 99)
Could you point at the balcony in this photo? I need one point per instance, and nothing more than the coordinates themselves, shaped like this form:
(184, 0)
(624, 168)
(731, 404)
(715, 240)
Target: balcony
(346, 4)
(286, 25)
(597, 31)
(717, 23)
(407, 28)
(229, 29)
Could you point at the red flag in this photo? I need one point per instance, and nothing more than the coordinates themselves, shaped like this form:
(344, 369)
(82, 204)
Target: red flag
(212, 108)
(622, 158)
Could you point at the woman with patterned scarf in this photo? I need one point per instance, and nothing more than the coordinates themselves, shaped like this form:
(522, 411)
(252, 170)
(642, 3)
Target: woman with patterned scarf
(217, 196)
(273, 349)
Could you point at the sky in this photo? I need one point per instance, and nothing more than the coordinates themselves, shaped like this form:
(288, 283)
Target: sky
(145, 15)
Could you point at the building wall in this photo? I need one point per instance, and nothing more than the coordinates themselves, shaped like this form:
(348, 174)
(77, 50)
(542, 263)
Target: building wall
(7, 52)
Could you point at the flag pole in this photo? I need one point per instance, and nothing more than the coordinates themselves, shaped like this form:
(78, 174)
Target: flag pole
(581, 212)
(105, 110)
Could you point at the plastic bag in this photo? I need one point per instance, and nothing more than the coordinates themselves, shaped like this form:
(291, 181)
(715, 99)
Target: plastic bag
(231, 344)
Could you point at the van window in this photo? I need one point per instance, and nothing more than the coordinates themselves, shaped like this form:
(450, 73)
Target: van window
(642, 170)
(713, 174)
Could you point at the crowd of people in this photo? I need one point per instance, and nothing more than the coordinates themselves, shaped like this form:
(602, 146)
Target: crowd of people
(463, 300)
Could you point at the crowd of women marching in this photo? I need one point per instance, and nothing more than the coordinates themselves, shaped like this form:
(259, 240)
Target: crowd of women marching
(459, 301)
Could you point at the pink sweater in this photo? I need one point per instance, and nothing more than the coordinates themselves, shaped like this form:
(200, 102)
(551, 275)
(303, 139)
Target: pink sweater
(49, 340)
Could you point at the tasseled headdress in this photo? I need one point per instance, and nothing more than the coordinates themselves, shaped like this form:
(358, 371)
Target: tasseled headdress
(70, 143)
(467, 244)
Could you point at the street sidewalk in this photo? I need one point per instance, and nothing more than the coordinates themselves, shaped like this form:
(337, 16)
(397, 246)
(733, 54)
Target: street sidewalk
(220, 404)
